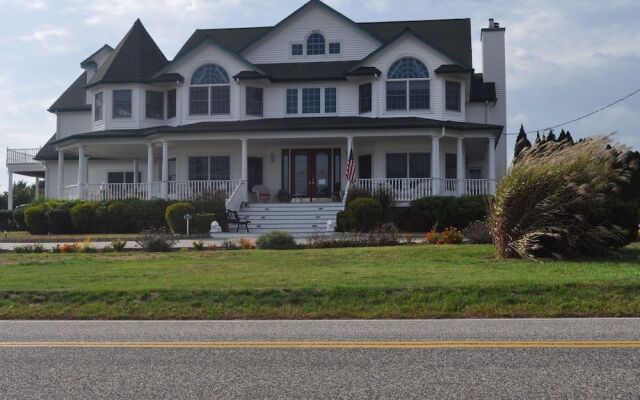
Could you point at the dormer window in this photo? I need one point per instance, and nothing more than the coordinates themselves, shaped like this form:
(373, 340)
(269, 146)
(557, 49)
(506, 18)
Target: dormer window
(297, 49)
(408, 85)
(315, 44)
(210, 91)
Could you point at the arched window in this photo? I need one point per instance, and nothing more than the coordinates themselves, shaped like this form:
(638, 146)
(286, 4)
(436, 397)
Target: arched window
(315, 44)
(408, 85)
(209, 92)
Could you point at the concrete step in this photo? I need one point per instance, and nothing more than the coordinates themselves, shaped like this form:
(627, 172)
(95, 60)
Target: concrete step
(295, 218)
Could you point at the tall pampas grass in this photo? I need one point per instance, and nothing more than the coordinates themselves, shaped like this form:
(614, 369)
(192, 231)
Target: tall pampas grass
(557, 199)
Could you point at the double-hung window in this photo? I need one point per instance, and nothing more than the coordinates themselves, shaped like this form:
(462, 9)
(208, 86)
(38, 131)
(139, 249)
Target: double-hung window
(408, 85)
(292, 101)
(122, 104)
(171, 103)
(330, 101)
(122, 177)
(334, 48)
(453, 95)
(408, 165)
(365, 100)
(155, 105)
(98, 106)
(311, 100)
(297, 49)
(254, 101)
(212, 168)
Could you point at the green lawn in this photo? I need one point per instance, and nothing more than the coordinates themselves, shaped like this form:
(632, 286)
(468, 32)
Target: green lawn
(392, 282)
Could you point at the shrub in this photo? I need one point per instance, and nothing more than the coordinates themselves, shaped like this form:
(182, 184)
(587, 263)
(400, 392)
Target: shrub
(478, 232)
(18, 218)
(230, 245)
(35, 217)
(555, 200)
(174, 214)
(385, 197)
(86, 246)
(146, 214)
(118, 218)
(59, 220)
(364, 214)
(201, 223)
(118, 245)
(83, 217)
(156, 240)
(342, 221)
(199, 245)
(386, 234)
(29, 248)
(438, 212)
(6, 220)
(450, 235)
(68, 248)
(276, 240)
(357, 192)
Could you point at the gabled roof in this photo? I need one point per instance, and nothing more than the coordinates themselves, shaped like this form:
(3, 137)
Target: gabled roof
(136, 58)
(74, 98)
(90, 60)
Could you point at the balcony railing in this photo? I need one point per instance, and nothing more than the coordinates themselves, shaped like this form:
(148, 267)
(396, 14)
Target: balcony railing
(22, 156)
(408, 189)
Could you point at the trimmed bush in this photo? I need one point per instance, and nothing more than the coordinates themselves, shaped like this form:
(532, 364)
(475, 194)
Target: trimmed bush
(201, 223)
(439, 212)
(356, 192)
(276, 240)
(119, 219)
(59, 220)
(174, 214)
(342, 221)
(365, 214)
(83, 217)
(35, 217)
(385, 198)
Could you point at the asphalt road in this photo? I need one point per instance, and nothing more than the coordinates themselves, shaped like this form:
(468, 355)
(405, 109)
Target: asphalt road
(569, 358)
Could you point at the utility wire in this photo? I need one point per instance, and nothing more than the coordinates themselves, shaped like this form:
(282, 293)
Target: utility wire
(581, 117)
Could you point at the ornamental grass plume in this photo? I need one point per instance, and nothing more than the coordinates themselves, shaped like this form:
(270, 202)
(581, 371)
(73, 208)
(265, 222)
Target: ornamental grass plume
(565, 200)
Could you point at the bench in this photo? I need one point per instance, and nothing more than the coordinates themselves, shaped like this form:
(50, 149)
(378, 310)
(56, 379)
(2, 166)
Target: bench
(234, 218)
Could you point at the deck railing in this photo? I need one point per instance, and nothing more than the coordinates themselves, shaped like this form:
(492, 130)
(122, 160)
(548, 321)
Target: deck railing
(116, 191)
(408, 189)
(22, 156)
(192, 190)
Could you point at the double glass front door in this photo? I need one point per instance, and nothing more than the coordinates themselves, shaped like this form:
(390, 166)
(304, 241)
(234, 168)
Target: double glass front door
(311, 172)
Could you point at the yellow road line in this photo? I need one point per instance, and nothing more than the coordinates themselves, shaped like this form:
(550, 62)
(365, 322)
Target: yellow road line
(463, 344)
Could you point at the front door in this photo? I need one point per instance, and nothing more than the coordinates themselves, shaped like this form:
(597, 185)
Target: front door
(311, 172)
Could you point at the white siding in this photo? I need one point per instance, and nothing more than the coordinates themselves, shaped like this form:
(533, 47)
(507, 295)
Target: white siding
(71, 123)
(411, 47)
(276, 48)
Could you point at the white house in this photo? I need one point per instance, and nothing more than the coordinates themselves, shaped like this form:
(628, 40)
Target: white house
(282, 107)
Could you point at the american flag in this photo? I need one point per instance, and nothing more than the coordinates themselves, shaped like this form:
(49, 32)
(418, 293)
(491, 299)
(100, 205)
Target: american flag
(351, 168)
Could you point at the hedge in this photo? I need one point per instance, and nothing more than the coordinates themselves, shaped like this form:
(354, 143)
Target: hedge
(35, 218)
(365, 214)
(440, 212)
(6, 220)
(83, 217)
(174, 214)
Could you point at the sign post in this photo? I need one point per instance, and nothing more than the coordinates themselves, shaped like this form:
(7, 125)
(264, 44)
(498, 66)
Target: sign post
(188, 218)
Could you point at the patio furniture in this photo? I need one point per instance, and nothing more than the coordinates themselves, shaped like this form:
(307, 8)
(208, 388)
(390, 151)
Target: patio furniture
(263, 195)
(234, 218)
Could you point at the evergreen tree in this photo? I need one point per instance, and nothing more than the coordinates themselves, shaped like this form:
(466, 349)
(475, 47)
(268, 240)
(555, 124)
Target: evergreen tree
(538, 140)
(522, 142)
(551, 136)
(562, 136)
(569, 138)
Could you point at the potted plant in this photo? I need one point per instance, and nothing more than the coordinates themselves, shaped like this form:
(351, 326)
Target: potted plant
(283, 196)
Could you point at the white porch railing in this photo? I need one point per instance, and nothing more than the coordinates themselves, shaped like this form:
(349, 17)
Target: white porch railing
(403, 189)
(116, 191)
(234, 200)
(408, 189)
(192, 190)
(22, 156)
(70, 192)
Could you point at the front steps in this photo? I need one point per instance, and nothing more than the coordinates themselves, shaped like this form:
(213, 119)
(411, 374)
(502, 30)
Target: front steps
(295, 218)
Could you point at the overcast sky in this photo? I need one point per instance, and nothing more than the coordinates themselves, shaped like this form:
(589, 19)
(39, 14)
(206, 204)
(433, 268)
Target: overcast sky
(564, 58)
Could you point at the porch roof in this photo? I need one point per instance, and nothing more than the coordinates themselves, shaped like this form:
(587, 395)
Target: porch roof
(279, 124)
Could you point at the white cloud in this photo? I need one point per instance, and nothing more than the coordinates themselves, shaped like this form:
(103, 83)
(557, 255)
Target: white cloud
(50, 38)
(36, 5)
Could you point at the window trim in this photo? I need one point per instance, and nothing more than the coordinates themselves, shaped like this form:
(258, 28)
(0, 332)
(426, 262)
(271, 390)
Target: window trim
(146, 105)
(113, 104)
(95, 107)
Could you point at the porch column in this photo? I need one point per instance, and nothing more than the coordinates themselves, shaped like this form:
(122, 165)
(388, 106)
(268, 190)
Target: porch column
(37, 188)
(10, 192)
(460, 167)
(165, 170)
(149, 171)
(435, 165)
(81, 170)
(60, 174)
(244, 171)
(492, 165)
(135, 170)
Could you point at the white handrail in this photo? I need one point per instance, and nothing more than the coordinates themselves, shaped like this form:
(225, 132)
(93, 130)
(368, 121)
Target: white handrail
(234, 201)
(344, 198)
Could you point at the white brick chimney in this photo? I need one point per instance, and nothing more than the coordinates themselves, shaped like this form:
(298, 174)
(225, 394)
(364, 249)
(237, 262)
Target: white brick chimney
(494, 70)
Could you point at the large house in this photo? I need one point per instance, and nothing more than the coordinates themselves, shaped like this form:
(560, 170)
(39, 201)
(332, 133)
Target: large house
(273, 113)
